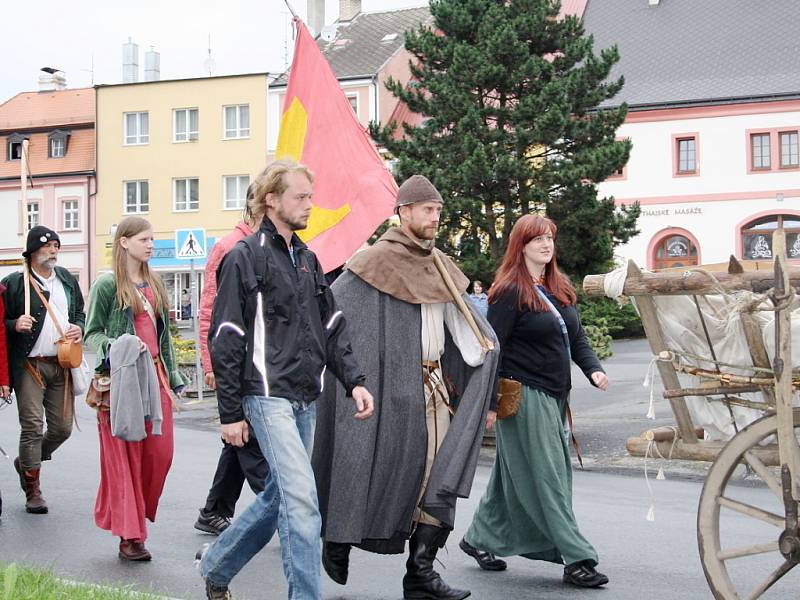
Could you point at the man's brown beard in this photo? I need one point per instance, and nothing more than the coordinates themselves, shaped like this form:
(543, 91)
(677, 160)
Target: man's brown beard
(422, 233)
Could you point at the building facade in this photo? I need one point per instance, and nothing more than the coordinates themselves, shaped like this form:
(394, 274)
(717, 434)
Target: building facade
(48, 138)
(714, 117)
(181, 154)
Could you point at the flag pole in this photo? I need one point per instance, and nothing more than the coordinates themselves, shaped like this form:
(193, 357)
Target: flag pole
(291, 9)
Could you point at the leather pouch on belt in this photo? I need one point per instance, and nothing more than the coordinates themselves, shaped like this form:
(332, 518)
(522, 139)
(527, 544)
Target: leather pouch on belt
(509, 394)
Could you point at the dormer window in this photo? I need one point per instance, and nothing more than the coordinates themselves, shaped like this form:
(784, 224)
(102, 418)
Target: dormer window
(57, 143)
(14, 146)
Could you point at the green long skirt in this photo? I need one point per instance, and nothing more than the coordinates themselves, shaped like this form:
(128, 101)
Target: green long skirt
(526, 509)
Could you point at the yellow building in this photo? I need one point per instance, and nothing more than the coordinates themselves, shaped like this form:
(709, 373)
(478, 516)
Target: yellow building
(181, 154)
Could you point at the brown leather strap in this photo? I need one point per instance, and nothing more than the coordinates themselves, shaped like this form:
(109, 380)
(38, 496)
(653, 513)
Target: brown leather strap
(34, 372)
(49, 309)
(573, 439)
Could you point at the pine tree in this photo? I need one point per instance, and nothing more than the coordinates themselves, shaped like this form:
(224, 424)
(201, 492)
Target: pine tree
(509, 93)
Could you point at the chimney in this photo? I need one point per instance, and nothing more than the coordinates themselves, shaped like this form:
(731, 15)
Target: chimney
(152, 65)
(130, 62)
(52, 80)
(349, 9)
(316, 15)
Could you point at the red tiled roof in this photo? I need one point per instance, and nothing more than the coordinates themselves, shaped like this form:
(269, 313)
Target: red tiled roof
(79, 156)
(43, 109)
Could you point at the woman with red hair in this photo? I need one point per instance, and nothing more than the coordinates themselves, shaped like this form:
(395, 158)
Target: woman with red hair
(527, 507)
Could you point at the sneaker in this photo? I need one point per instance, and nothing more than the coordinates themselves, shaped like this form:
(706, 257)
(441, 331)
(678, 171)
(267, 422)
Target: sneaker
(211, 523)
(217, 592)
(583, 574)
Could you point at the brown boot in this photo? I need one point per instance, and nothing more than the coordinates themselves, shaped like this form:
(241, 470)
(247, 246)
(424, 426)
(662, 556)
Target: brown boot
(133, 550)
(29, 481)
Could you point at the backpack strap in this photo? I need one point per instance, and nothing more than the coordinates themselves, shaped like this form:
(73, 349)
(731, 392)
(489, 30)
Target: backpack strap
(256, 244)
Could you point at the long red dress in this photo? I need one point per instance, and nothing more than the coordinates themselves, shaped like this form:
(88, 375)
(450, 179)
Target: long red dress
(132, 474)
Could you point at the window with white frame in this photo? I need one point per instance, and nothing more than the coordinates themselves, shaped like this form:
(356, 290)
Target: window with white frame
(137, 196)
(137, 128)
(353, 100)
(33, 215)
(235, 190)
(70, 214)
(186, 194)
(57, 147)
(687, 155)
(186, 124)
(759, 151)
(789, 149)
(237, 121)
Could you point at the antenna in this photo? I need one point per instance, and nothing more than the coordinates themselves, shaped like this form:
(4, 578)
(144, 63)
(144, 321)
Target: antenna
(90, 70)
(209, 64)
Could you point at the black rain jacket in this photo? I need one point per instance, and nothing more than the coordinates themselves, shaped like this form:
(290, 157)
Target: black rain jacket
(275, 327)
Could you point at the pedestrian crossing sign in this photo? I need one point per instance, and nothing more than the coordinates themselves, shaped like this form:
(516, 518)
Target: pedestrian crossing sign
(190, 243)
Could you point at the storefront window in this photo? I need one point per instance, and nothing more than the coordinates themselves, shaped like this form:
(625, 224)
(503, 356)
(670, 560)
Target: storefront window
(675, 251)
(757, 237)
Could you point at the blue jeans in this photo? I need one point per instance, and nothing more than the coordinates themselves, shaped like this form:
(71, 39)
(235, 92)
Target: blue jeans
(285, 433)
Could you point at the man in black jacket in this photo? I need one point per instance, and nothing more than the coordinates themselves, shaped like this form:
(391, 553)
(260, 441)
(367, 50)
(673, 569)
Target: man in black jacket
(275, 329)
(40, 383)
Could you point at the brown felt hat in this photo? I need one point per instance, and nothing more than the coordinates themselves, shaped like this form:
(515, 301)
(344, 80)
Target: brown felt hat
(417, 189)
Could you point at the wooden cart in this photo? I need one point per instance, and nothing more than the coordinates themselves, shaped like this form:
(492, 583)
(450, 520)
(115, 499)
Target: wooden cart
(739, 562)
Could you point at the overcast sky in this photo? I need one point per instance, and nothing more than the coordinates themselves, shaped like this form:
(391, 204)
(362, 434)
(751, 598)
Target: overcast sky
(246, 37)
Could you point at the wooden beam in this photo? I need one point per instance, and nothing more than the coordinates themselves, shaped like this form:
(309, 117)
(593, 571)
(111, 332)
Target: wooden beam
(655, 336)
(702, 451)
(690, 283)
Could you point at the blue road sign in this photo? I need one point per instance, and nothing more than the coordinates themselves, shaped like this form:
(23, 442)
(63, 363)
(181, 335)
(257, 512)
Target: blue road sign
(190, 243)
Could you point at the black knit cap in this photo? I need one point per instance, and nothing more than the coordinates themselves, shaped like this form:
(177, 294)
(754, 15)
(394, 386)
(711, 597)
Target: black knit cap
(415, 189)
(38, 237)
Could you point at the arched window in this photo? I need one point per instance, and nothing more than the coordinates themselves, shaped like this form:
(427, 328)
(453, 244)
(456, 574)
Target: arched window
(757, 237)
(674, 251)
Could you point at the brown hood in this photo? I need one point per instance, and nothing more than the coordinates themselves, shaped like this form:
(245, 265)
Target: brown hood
(399, 266)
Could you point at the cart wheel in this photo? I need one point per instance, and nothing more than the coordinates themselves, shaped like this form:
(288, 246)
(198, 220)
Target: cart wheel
(742, 560)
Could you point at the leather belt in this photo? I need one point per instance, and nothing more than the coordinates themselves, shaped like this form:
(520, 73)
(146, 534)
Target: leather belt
(48, 359)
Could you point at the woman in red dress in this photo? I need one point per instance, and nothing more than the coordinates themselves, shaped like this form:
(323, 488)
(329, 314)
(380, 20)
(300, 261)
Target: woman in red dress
(132, 300)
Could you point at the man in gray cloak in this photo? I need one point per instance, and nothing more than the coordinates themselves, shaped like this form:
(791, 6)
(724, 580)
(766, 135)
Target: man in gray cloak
(398, 475)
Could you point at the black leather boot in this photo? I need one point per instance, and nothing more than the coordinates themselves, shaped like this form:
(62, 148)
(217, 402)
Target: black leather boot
(336, 560)
(421, 582)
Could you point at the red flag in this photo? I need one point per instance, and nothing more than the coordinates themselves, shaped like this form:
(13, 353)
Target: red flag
(353, 191)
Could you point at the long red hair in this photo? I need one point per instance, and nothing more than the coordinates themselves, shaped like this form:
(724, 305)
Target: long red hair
(513, 276)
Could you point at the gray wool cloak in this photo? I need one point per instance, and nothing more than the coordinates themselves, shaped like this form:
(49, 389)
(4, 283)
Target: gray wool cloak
(369, 473)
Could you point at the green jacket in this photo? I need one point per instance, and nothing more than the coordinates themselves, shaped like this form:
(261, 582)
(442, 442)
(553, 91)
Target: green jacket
(21, 344)
(106, 321)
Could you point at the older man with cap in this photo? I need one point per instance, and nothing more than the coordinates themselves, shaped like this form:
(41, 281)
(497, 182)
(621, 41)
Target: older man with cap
(40, 383)
(398, 476)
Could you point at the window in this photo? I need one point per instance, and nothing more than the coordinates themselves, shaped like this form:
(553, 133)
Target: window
(789, 153)
(70, 214)
(757, 237)
(235, 191)
(14, 146)
(137, 196)
(186, 124)
(759, 151)
(687, 155)
(353, 100)
(237, 121)
(137, 128)
(57, 148)
(186, 194)
(675, 251)
(33, 215)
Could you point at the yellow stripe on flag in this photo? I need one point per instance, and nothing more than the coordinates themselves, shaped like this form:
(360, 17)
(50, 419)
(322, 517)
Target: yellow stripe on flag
(291, 140)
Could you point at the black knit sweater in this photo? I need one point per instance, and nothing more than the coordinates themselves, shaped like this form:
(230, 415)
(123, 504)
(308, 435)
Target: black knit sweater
(532, 346)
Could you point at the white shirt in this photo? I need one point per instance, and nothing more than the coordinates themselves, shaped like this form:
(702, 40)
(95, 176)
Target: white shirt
(434, 318)
(46, 342)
